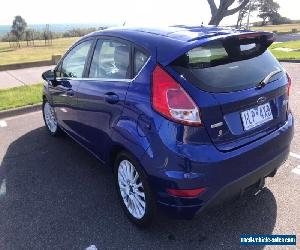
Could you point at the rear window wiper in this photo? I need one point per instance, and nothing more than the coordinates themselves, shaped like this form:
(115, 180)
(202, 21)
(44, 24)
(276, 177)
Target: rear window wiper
(266, 80)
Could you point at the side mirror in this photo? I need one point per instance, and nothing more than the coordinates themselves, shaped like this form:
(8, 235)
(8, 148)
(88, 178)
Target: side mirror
(49, 75)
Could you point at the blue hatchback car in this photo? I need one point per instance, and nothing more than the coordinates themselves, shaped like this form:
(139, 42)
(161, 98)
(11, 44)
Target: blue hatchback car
(187, 117)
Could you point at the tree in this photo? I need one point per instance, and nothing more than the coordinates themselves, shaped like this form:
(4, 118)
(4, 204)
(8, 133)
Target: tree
(278, 19)
(253, 5)
(47, 35)
(218, 13)
(18, 28)
(268, 10)
(29, 37)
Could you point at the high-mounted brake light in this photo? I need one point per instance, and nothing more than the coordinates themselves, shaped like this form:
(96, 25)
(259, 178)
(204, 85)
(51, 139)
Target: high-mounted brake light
(257, 35)
(249, 36)
(171, 100)
(289, 84)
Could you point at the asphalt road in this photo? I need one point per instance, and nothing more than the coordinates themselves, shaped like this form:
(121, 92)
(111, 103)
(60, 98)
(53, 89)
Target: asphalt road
(55, 195)
(288, 37)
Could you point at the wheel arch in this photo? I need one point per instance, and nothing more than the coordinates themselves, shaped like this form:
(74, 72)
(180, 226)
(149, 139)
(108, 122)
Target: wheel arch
(117, 149)
(46, 94)
(125, 137)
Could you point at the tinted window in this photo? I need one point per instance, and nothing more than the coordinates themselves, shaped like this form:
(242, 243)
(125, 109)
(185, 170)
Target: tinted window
(217, 68)
(110, 60)
(74, 62)
(140, 59)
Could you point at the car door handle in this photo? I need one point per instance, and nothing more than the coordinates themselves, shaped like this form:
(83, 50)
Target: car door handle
(111, 98)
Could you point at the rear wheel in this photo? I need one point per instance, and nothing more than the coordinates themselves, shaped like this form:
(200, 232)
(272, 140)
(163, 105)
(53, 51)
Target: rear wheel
(50, 119)
(133, 189)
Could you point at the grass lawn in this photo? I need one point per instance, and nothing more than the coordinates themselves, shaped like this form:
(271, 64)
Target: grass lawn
(31, 54)
(279, 54)
(283, 28)
(20, 96)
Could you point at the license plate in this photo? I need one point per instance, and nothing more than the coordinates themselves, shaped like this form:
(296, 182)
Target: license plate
(256, 116)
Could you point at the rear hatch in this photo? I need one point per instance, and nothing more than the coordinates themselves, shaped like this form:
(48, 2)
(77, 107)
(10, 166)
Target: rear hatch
(246, 81)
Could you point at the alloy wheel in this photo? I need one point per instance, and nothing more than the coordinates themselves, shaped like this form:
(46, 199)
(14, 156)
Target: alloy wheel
(131, 189)
(50, 118)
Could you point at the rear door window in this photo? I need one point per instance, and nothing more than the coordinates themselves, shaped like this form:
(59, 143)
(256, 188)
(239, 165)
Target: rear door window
(224, 67)
(111, 60)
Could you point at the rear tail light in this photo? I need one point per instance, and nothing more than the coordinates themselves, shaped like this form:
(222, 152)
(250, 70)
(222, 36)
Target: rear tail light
(289, 84)
(186, 193)
(171, 100)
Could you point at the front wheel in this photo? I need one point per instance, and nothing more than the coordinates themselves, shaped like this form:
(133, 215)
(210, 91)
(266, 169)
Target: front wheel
(50, 119)
(133, 189)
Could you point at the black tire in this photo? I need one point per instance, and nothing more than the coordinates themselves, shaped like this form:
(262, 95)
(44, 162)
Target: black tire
(150, 206)
(57, 131)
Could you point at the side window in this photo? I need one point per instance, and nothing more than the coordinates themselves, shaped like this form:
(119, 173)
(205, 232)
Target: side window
(74, 62)
(140, 58)
(110, 60)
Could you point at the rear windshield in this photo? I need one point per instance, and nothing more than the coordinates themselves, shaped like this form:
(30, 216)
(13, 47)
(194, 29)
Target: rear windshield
(221, 66)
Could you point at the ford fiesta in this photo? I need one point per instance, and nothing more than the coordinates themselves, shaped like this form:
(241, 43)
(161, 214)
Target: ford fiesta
(186, 117)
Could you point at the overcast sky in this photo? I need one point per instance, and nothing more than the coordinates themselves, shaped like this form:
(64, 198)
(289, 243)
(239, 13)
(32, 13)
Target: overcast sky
(135, 12)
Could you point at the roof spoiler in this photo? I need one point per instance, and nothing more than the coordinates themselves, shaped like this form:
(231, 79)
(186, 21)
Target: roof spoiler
(264, 38)
(241, 37)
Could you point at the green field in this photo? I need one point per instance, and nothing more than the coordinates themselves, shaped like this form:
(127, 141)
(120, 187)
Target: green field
(280, 54)
(20, 96)
(39, 52)
(283, 28)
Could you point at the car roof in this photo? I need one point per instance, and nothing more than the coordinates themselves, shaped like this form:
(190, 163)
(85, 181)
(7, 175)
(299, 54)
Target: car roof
(180, 33)
(169, 42)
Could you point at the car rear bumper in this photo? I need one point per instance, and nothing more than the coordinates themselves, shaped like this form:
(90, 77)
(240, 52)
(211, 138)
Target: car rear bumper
(225, 175)
(251, 182)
